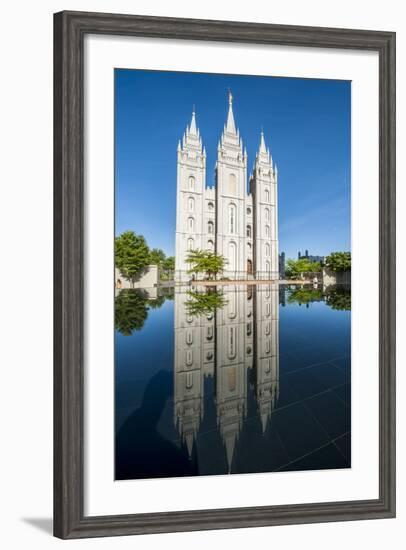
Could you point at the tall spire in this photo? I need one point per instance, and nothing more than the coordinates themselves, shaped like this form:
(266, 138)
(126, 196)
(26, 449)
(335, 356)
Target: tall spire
(230, 126)
(262, 146)
(193, 128)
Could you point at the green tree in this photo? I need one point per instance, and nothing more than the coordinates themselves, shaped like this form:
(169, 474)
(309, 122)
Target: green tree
(339, 298)
(157, 257)
(169, 263)
(167, 268)
(131, 254)
(295, 268)
(203, 261)
(339, 261)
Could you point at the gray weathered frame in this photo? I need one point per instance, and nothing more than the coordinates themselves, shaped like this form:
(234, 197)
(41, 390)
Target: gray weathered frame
(69, 31)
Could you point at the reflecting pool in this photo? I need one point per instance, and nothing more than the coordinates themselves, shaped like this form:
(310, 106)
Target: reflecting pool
(232, 379)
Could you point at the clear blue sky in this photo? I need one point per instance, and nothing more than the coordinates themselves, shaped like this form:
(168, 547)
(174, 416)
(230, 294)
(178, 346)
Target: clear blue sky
(307, 125)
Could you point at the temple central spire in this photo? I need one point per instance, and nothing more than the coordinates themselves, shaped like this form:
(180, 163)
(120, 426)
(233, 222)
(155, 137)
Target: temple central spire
(193, 128)
(230, 126)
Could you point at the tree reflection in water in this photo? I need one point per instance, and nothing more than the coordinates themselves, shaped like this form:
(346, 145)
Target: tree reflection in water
(131, 308)
(204, 303)
(336, 297)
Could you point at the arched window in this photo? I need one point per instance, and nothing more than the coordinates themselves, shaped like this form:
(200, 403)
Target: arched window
(210, 227)
(268, 309)
(249, 329)
(190, 244)
(189, 357)
(268, 269)
(267, 365)
(189, 380)
(267, 250)
(232, 306)
(232, 380)
(210, 246)
(231, 342)
(248, 211)
(191, 204)
(191, 224)
(209, 333)
(232, 184)
(209, 355)
(232, 218)
(189, 337)
(210, 206)
(232, 256)
(192, 183)
(249, 231)
(249, 245)
(268, 329)
(266, 195)
(267, 231)
(267, 214)
(267, 346)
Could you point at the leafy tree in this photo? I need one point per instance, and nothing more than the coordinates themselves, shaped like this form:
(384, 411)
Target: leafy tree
(339, 298)
(168, 267)
(157, 257)
(204, 261)
(295, 268)
(339, 261)
(169, 263)
(204, 303)
(131, 254)
(130, 311)
(305, 296)
(131, 308)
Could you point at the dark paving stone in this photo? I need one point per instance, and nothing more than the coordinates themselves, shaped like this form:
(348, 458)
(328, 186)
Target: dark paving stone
(328, 457)
(344, 445)
(331, 412)
(298, 430)
(344, 393)
(343, 363)
(258, 452)
(328, 374)
(287, 393)
(303, 384)
(210, 454)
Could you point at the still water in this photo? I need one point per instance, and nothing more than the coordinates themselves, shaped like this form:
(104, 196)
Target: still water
(232, 379)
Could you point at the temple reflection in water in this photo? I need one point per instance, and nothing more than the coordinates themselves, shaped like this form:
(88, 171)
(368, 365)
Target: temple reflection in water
(234, 341)
(232, 379)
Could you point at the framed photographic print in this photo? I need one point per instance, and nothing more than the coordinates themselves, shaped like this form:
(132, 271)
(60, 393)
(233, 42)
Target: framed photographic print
(224, 275)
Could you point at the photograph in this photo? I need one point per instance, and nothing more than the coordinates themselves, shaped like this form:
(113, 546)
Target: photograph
(232, 281)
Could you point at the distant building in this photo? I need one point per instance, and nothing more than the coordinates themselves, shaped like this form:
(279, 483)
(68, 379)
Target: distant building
(311, 258)
(282, 265)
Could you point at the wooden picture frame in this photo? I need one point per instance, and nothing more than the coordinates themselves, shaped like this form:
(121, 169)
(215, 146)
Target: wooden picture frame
(70, 29)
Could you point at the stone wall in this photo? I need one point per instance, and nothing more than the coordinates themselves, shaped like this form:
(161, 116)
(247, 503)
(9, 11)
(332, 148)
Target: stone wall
(148, 278)
(331, 277)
